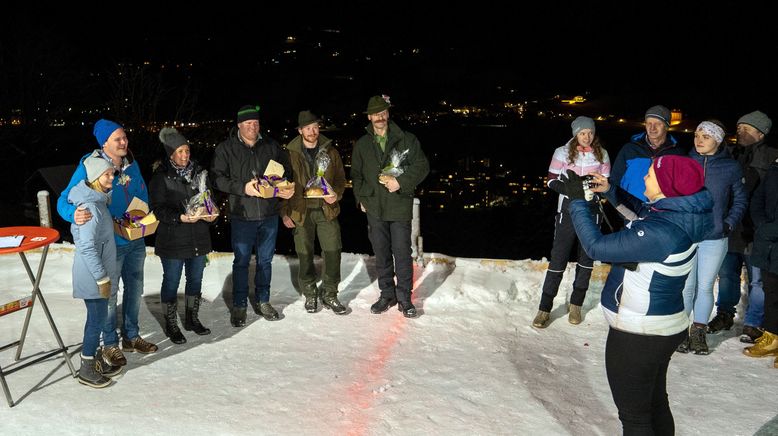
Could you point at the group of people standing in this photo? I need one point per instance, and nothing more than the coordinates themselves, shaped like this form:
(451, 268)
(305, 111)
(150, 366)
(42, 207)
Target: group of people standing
(107, 180)
(686, 222)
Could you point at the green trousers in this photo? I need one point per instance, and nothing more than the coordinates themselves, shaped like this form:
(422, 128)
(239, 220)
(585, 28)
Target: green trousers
(329, 240)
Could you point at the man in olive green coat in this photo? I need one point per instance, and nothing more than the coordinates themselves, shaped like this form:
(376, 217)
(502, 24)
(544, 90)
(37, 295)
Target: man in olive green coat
(309, 153)
(388, 202)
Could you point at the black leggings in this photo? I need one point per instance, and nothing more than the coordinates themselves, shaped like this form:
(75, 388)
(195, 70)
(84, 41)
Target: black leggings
(637, 374)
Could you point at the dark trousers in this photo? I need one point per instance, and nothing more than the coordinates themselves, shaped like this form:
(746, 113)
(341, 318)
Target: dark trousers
(770, 283)
(391, 241)
(564, 239)
(637, 373)
(171, 277)
(247, 236)
(329, 238)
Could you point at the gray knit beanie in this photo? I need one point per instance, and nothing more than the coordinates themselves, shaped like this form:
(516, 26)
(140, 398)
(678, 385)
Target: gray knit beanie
(581, 123)
(171, 139)
(659, 112)
(759, 120)
(95, 166)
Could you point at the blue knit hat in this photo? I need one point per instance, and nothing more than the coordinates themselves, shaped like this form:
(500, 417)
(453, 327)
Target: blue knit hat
(103, 130)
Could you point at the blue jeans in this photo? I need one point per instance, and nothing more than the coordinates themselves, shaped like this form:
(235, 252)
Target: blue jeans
(729, 288)
(698, 292)
(246, 236)
(171, 277)
(130, 259)
(96, 311)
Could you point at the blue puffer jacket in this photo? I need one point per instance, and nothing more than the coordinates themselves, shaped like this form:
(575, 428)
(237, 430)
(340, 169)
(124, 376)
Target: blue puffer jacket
(633, 160)
(663, 243)
(95, 256)
(724, 180)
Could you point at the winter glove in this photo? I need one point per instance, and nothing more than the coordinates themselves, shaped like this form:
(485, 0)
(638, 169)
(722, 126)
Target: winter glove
(104, 287)
(727, 229)
(556, 185)
(571, 186)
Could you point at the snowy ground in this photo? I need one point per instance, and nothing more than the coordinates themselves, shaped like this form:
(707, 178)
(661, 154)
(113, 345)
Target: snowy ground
(469, 365)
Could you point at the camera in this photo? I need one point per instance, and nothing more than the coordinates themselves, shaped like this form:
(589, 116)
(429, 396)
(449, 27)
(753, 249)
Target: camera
(588, 181)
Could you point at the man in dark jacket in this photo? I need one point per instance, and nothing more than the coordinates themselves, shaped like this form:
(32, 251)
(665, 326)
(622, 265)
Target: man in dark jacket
(313, 210)
(754, 157)
(396, 156)
(238, 162)
(635, 157)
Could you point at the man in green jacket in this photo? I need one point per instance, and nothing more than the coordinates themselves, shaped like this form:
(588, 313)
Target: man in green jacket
(313, 210)
(396, 156)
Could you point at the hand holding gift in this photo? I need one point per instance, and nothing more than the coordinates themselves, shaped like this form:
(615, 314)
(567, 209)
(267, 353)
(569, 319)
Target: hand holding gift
(318, 187)
(388, 175)
(201, 205)
(272, 183)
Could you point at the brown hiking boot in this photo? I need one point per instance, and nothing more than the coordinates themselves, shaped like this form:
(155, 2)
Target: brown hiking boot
(765, 345)
(574, 317)
(113, 356)
(139, 345)
(750, 334)
(541, 319)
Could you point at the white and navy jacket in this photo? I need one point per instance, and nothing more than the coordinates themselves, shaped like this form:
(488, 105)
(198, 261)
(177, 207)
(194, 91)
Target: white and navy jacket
(662, 241)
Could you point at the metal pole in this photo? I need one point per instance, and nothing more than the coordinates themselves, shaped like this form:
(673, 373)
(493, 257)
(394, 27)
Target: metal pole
(415, 230)
(44, 211)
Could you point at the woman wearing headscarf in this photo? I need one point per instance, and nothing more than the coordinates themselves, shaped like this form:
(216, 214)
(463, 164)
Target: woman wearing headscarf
(724, 181)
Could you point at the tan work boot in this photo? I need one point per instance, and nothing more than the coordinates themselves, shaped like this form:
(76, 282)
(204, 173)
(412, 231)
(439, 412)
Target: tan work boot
(541, 319)
(574, 317)
(765, 345)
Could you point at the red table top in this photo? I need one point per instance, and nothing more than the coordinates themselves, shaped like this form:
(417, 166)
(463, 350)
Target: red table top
(34, 237)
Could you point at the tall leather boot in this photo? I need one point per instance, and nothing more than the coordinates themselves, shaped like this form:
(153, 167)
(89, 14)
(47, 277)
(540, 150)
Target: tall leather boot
(191, 317)
(171, 324)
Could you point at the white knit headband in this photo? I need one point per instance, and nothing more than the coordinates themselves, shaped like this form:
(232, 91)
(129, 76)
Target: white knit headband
(713, 130)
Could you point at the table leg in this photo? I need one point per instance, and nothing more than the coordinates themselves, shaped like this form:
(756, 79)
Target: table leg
(36, 293)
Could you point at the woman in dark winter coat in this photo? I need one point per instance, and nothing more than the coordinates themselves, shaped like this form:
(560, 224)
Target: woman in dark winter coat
(764, 213)
(183, 236)
(724, 181)
(582, 154)
(642, 297)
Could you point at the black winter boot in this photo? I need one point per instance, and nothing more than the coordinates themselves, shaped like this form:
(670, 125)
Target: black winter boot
(89, 373)
(331, 302)
(191, 317)
(722, 321)
(171, 324)
(238, 316)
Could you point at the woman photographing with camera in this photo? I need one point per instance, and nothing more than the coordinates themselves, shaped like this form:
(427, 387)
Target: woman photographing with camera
(642, 297)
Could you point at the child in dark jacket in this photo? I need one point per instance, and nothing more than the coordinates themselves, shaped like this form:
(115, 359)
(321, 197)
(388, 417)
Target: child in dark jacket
(94, 265)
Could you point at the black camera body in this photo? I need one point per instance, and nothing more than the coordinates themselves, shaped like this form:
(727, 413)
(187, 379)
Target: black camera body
(588, 181)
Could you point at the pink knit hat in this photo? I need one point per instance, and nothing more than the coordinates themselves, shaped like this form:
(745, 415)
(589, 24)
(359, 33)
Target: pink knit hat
(678, 175)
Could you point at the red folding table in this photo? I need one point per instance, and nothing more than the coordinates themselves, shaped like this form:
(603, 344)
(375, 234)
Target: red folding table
(34, 237)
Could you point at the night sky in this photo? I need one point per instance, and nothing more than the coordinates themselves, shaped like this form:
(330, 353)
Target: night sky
(703, 58)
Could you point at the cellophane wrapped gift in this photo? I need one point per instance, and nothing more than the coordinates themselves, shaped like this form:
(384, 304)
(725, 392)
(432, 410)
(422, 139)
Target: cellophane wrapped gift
(202, 203)
(318, 186)
(394, 167)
